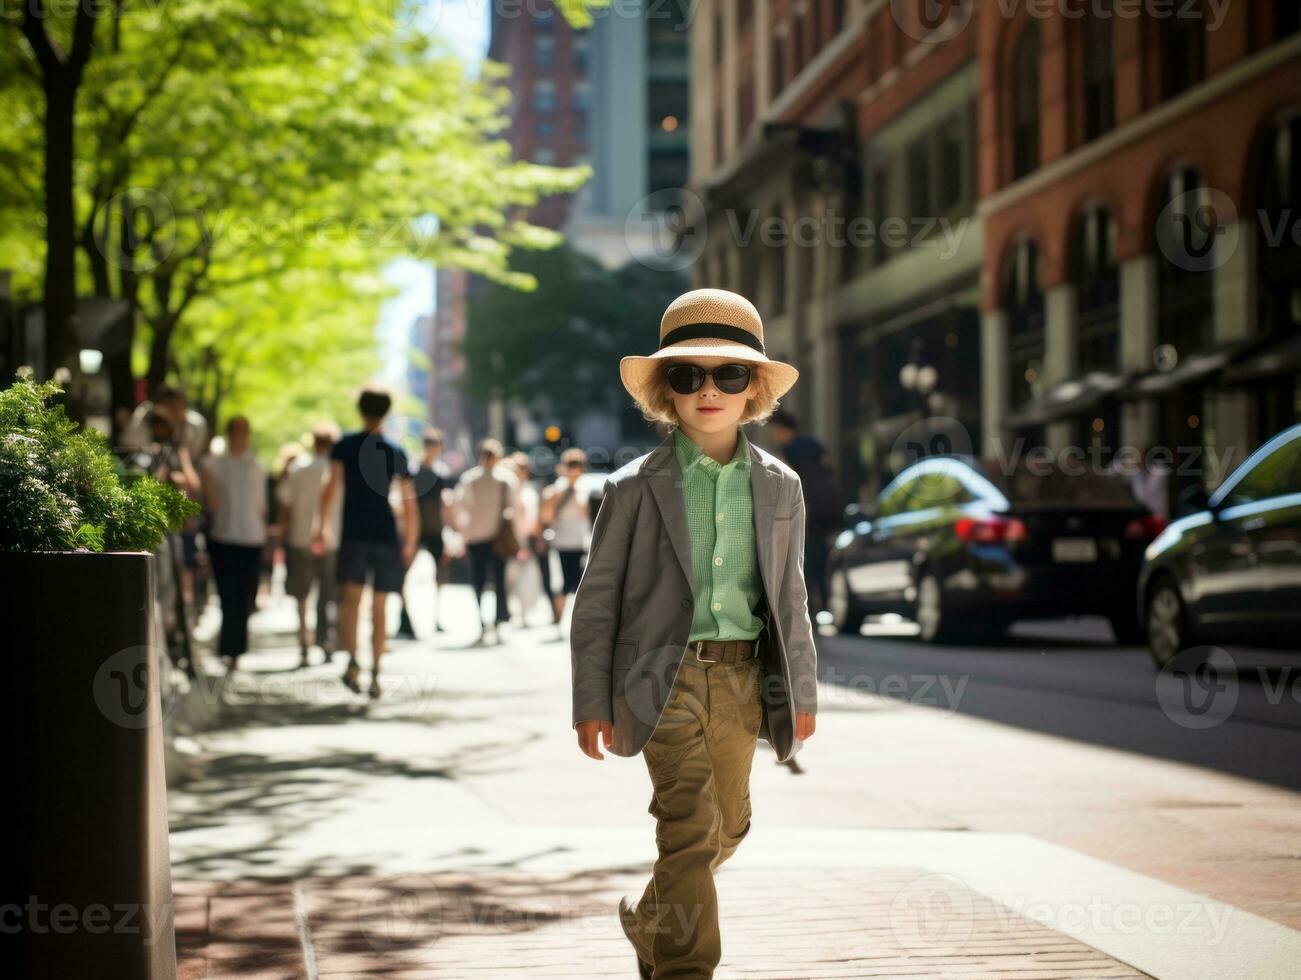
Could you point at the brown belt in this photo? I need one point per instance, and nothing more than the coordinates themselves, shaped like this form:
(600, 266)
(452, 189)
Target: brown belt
(721, 651)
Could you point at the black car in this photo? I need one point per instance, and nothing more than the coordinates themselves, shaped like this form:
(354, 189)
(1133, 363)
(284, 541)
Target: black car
(1230, 572)
(965, 548)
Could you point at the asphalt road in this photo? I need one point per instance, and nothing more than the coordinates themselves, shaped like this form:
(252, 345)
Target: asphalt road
(1067, 678)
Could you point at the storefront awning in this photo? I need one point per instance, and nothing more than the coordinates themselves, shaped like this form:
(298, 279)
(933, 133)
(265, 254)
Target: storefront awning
(1276, 358)
(1197, 368)
(1070, 397)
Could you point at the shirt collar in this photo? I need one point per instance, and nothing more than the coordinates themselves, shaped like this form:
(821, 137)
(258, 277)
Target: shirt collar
(690, 455)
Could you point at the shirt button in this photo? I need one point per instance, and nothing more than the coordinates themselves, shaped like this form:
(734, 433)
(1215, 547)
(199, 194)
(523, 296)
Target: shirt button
(718, 560)
(720, 516)
(686, 603)
(717, 606)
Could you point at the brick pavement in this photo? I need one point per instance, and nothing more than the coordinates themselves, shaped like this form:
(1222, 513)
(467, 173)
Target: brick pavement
(452, 829)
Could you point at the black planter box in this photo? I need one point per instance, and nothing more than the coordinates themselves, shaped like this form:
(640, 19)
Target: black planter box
(90, 865)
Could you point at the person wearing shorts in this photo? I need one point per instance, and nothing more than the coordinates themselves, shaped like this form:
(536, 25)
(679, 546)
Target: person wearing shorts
(363, 466)
(299, 496)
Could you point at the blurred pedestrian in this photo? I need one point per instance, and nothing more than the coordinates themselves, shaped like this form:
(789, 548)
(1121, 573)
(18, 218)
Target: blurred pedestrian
(363, 468)
(485, 498)
(286, 456)
(566, 517)
(527, 576)
(299, 497)
(234, 487)
(823, 506)
(432, 481)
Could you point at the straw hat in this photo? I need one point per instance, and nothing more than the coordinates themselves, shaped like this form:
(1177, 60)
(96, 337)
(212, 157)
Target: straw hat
(707, 323)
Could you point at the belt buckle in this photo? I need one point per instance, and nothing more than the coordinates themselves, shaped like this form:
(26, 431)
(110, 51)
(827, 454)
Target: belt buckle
(700, 646)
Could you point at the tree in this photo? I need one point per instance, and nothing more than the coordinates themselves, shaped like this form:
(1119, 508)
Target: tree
(228, 142)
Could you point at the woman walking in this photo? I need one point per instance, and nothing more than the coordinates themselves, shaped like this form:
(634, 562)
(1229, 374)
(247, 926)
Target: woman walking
(234, 490)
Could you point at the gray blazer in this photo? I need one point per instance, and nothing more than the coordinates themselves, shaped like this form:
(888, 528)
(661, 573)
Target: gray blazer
(633, 610)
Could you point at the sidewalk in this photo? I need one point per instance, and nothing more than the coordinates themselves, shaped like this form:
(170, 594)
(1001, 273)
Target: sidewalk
(453, 829)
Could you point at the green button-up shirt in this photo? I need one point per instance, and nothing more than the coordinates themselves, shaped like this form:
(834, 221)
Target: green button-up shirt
(724, 562)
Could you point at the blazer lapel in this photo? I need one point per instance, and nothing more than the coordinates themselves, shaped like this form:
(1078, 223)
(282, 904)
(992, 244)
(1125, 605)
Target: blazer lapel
(765, 488)
(665, 478)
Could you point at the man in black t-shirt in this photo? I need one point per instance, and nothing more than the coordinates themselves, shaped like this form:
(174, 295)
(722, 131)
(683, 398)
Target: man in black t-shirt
(363, 467)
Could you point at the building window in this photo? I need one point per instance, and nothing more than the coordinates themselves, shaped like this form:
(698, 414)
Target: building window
(777, 64)
(1099, 65)
(880, 208)
(544, 50)
(1185, 296)
(581, 96)
(744, 15)
(544, 95)
(1287, 18)
(544, 129)
(1023, 301)
(838, 8)
(921, 179)
(1097, 281)
(544, 155)
(718, 38)
(1025, 102)
(1278, 266)
(1183, 49)
(797, 35)
(582, 50)
(954, 157)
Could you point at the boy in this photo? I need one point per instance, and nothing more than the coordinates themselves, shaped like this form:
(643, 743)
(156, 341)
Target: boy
(689, 653)
(363, 466)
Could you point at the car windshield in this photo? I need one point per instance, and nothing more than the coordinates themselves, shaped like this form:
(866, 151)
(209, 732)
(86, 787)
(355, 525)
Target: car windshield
(1042, 486)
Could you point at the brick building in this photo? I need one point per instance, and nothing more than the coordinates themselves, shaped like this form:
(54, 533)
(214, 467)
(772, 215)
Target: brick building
(1071, 229)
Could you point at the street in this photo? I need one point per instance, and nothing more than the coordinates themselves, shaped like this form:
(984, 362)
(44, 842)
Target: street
(454, 828)
(1068, 678)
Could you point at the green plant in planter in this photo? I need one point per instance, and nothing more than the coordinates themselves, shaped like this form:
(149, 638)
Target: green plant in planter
(60, 487)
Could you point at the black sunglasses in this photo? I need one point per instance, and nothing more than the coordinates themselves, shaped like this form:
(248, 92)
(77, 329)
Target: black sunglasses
(731, 379)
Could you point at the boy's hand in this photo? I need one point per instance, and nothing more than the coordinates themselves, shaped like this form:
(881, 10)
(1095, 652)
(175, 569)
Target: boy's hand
(804, 725)
(587, 737)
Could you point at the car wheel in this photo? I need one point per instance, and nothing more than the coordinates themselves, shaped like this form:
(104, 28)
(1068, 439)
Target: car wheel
(933, 612)
(846, 613)
(1167, 622)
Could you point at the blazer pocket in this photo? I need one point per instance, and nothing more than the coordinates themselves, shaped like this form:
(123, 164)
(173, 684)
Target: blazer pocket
(625, 653)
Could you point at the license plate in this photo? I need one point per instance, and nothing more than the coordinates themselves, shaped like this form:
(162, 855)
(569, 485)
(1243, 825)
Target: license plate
(1075, 549)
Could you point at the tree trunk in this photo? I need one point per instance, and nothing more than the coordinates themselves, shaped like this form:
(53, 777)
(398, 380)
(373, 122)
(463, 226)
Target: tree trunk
(60, 304)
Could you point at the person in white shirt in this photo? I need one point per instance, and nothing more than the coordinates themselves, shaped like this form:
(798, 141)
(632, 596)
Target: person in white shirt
(566, 515)
(299, 496)
(234, 490)
(486, 497)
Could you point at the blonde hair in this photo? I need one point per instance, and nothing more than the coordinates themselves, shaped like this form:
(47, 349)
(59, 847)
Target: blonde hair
(656, 397)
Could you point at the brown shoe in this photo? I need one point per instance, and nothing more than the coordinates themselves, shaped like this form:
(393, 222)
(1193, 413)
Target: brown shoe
(628, 919)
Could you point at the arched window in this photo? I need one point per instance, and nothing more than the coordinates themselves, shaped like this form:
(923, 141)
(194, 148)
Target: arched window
(1025, 101)
(1023, 301)
(1185, 289)
(1183, 48)
(1278, 268)
(1097, 281)
(1098, 73)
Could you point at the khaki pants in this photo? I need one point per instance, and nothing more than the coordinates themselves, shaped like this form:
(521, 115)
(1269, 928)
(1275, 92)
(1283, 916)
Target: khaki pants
(699, 762)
